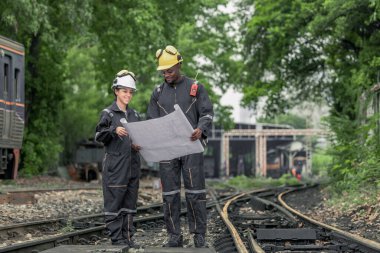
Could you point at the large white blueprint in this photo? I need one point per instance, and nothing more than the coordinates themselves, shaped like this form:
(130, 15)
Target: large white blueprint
(164, 138)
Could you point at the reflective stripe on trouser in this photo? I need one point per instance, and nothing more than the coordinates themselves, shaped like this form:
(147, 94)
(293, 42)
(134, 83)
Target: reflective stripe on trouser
(120, 223)
(120, 201)
(191, 167)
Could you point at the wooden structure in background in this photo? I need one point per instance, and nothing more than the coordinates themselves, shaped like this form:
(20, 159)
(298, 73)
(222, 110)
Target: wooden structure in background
(261, 143)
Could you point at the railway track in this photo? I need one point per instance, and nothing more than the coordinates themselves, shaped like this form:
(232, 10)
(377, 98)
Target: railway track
(355, 243)
(27, 196)
(237, 222)
(265, 226)
(88, 230)
(20, 231)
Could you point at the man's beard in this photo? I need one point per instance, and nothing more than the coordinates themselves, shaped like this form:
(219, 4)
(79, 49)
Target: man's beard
(171, 82)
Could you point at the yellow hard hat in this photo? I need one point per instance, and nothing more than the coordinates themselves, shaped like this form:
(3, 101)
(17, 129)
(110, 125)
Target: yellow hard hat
(168, 57)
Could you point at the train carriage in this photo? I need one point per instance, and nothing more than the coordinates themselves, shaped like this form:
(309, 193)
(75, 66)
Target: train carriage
(12, 106)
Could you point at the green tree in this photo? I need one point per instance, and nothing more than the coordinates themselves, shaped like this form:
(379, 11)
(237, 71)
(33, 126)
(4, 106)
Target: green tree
(313, 50)
(210, 52)
(295, 121)
(82, 97)
(310, 50)
(138, 28)
(74, 48)
(47, 29)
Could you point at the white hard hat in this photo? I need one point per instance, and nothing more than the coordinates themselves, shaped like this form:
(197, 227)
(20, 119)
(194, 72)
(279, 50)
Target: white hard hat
(126, 81)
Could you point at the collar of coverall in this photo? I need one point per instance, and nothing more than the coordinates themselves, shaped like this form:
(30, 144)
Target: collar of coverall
(179, 81)
(116, 108)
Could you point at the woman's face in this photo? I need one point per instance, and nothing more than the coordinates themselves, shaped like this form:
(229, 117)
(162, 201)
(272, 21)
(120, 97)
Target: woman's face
(124, 95)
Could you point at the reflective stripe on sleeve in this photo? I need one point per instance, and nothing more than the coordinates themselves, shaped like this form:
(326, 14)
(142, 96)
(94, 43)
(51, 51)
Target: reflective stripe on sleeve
(207, 116)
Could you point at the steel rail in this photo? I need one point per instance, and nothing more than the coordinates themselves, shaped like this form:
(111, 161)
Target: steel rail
(239, 244)
(224, 214)
(253, 244)
(73, 237)
(229, 225)
(358, 239)
(17, 227)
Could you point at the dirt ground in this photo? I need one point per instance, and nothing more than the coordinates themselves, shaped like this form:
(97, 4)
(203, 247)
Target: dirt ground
(48, 182)
(54, 204)
(363, 219)
(41, 182)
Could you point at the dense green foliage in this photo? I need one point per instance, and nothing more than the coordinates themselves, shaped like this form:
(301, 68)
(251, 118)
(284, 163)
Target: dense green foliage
(321, 161)
(82, 100)
(47, 29)
(356, 155)
(295, 121)
(320, 49)
(74, 48)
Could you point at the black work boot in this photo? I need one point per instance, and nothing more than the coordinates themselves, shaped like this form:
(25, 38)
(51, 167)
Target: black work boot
(200, 241)
(121, 242)
(132, 244)
(174, 241)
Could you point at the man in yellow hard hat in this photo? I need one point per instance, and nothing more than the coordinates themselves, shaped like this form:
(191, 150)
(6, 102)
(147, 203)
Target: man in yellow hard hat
(195, 103)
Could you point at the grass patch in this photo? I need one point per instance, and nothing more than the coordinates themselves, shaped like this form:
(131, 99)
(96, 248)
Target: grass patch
(353, 200)
(321, 161)
(7, 182)
(217, 184)
(248, 183)
(69, 227)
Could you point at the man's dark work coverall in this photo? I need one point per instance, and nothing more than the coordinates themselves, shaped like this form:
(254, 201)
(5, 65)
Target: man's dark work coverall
(121, 170)
(199, 111)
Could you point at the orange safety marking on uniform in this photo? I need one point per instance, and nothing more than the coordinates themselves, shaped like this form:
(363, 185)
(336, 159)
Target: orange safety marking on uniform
(12, 50)
(194, 89)
(11, 103)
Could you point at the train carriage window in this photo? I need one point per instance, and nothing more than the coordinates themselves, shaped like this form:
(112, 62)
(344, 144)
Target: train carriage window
(16, 84)
(6, 74)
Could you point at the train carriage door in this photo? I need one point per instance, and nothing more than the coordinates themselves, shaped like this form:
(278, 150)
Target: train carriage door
(7, 96)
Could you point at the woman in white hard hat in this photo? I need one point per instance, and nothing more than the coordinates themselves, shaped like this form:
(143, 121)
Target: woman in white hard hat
(121, 164)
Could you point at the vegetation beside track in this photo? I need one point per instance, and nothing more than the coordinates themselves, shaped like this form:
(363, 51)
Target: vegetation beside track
(249, 183)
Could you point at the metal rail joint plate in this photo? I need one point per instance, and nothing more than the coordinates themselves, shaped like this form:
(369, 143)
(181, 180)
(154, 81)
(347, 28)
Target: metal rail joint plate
(121, 249)
(286, 234)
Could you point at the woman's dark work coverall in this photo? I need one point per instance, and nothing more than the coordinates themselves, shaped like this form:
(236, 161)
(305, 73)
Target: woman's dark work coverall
(199, 111)
(121, 171)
